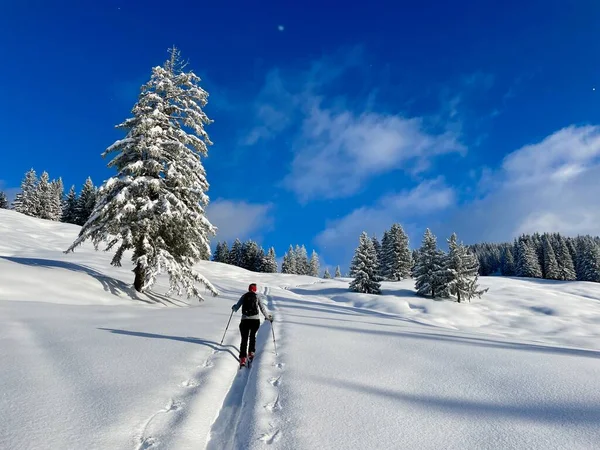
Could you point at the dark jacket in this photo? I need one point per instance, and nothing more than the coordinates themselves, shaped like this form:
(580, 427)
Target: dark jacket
(255, 298)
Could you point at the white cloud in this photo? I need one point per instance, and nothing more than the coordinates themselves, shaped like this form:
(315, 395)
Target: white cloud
(548, 186)
(427, 198)
(239, 219)
(339, 151)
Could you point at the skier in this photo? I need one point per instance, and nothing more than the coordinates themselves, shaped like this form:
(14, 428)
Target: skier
(250, 304)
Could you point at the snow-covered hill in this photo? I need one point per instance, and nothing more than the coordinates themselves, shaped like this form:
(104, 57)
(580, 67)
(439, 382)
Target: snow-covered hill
(89, 363)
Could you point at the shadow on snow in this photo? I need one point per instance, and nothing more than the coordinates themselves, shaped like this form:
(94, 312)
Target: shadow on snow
(112, 285)
(192, 340)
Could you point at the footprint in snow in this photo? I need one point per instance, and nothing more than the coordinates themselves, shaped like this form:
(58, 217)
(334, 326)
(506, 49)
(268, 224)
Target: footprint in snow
(275, 381)
(174, 405)
(275, 406)
(279, 365)
(208, 363)
(189, 383)
(269, 438)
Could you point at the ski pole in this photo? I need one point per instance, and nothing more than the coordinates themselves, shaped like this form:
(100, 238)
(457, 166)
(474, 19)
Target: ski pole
(273, 333)
(227, 326)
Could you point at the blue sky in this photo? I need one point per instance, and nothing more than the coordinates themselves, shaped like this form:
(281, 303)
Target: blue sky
(333, 118)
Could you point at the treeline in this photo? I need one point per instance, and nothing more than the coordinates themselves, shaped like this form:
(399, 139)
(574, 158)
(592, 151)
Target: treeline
(549, 256)
(45, 199)
(251, 256)
(436, 273)
(248, 255)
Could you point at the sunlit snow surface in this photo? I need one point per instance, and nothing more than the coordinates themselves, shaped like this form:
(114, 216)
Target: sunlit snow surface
(86, 363)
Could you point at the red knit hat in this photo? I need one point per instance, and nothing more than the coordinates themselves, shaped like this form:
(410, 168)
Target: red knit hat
(252, 287)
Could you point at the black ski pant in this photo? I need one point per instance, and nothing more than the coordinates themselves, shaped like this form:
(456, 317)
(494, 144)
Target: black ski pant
(248, 329)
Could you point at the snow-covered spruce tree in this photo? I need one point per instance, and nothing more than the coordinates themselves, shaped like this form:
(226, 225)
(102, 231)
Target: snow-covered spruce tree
(428, 268)
(86, 201)
(379, 253)
(221, 253)
(551, 271)
(364, 267)
(314, 266)
(338, 272)
(589, 260)
(301, 257)
(251, 256)
(26, 201)
(43, 197)
(398, 256)
(270, 262)
(3, 201)
(289, 261)
(528, 265)
(326, 274)
(566, 267)
(460, 271)
(383, 257)
(57, 199)
(155, 205)
(69, 213)
(508, 262)
(236, 254)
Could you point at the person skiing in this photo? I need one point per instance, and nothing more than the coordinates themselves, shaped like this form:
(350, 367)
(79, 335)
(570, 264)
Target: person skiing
(250, 323)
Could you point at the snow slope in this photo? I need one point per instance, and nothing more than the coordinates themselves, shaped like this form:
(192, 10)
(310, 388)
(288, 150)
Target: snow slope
(89, 363)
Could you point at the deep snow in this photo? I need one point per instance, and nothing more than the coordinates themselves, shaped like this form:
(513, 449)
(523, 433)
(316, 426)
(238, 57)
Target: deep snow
(88, 363)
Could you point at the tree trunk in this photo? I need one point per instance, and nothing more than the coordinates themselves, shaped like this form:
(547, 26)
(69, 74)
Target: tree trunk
(458, 294)
(139, 278)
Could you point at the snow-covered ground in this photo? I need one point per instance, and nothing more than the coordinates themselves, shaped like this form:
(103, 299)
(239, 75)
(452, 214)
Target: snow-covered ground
(88, 363)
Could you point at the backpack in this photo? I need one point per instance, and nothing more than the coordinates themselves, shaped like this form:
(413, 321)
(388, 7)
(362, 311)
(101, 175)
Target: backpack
(250, 304)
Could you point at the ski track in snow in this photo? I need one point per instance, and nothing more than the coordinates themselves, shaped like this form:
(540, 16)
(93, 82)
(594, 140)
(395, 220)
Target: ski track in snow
(232, 427)
(173, 413)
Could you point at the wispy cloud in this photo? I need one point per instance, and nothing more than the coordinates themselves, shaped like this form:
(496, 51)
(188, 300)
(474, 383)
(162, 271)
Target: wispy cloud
(427, 198)
(338, 152)
(239, 219)
(551, 185)
(339, 145)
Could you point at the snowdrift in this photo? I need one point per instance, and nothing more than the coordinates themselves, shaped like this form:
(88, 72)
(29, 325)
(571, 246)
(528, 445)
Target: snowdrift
(89, 363)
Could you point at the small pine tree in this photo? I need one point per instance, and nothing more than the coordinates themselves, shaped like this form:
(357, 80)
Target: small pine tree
(551, 271)
(270, 263)
(69, 213)
(44, 197)
(528, 265)
(221, 253)
(236, 254)
(57, 199)
(565, 261)
(384, 263)
(26, 201)
(398, 256)
(508, 263)
(326, 274)
(338, 272)
(250, 255)
(379, 253)
(589, 260)
(155, 205)
(289, 262)
(364, 267)
(3, 201)
(86, 202)
(428, 267)
(460, 271)
(313, 269)
(301, 259)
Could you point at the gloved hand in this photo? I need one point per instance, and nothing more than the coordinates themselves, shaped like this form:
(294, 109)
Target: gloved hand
(270, 318)
(235, 307)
